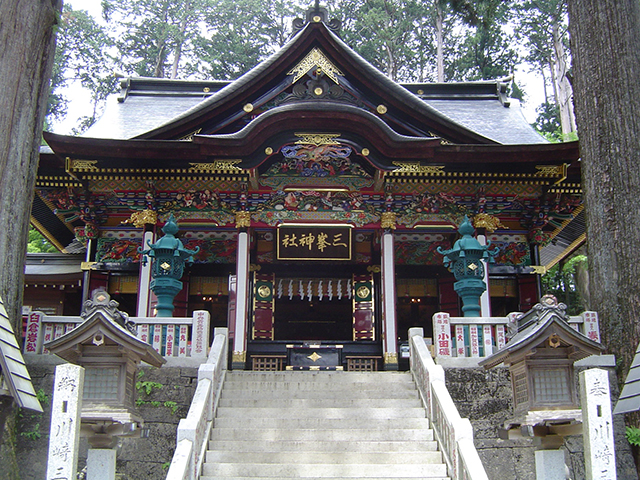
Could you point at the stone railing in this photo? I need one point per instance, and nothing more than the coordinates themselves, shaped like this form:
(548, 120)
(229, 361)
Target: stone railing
(464, 341)
(194, 431)
(175, 338)
(454, 434)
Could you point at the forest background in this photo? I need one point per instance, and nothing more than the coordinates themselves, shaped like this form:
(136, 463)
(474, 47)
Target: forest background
(409, 40)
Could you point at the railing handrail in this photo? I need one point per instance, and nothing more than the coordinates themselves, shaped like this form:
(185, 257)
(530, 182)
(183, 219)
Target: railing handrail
(454, 434)
(464, 341)
(194, 430)
(181, 340)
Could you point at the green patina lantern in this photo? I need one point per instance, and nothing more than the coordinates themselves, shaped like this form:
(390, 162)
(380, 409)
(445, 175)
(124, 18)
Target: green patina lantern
(169, 257)
(465, 260)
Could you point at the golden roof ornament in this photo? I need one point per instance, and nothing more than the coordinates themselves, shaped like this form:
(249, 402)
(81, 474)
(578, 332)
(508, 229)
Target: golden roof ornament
(488, 222)
(143, 217)
(388, 220)
(243, 219)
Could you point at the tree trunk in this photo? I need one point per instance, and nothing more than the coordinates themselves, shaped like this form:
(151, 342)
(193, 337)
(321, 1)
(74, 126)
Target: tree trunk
(605, 46)
(439, 43)
(26, 60)
(563, 89)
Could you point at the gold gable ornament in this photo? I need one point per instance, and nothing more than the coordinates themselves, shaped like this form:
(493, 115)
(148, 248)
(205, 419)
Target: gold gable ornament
(388, 220)
(488, 222)
(142, 218)
(317, 59)
(243, 219)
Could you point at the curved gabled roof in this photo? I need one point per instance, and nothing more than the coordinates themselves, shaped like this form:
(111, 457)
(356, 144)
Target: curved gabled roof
(376, 87)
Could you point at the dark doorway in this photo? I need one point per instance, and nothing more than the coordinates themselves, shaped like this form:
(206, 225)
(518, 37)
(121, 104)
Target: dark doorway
(299, 319)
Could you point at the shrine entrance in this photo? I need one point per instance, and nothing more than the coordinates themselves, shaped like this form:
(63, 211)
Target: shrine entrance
(333, 316)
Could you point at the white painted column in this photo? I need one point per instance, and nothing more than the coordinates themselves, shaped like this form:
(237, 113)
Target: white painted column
(242, 298)
(62, 461)
(597, 425)
(101, 464)
(485, 298)
(144, 279)
(388, 274)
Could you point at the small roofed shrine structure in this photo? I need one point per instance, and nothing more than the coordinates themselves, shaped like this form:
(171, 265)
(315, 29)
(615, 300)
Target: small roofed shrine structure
(540, 355)
(318, 192)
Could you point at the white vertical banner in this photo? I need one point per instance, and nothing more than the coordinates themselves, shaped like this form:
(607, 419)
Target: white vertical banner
(501, 340)
(487, 340)
(591, 326)
(442, 332)
(460, 346)
(62, 460)
(475, 340)
(200, 334)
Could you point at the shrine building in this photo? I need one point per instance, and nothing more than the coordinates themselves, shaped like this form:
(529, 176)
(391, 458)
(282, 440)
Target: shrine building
(318, 192)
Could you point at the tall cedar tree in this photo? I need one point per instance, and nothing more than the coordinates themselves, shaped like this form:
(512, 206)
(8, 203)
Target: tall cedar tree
(26, 59)
(605, 46)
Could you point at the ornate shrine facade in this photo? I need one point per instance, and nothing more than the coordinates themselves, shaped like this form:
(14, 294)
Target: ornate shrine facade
(318, 191)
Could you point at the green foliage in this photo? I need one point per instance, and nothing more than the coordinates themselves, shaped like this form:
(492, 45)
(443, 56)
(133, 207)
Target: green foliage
(42, 397)
(36, 243)
(487, 49)
(82, 47)
(166, 465)
(171, 405)
(33, 434)
(633, 436)
(562, 281)
(147, 386)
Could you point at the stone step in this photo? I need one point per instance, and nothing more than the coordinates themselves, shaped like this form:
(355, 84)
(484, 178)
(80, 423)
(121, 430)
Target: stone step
(347, 394)
(280, 477)
(320, 377)
(323, 446)
(353, 435)
(324, 412)
(311, 422)
(259, 386)
(313, 457)
(319, 470)
(289, 403)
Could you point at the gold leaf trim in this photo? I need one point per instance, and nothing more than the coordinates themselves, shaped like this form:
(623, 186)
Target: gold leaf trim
(83, 165)
(550, 170)
(489, 222)
(315, 58)
(142, 218)
(390, 357)
(189, 137)
(239, 357)
(216, 166)
(415, 167)
(243, 219)
(317, 139)
(388, 220)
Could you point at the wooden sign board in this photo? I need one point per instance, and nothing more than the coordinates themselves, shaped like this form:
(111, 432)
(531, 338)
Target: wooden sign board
(314, 242)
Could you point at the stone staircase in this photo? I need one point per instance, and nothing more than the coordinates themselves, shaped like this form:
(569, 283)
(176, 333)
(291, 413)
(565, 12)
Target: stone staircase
(329, 425)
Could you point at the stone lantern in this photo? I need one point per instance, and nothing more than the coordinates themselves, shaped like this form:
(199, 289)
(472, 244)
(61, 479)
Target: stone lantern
(106, 347)
(540, 356)
(169, 257)
(465, 260)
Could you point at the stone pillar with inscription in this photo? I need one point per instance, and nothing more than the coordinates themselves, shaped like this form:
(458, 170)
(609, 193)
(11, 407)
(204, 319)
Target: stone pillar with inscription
(390, 343)
(597, 425)
(62, 461)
